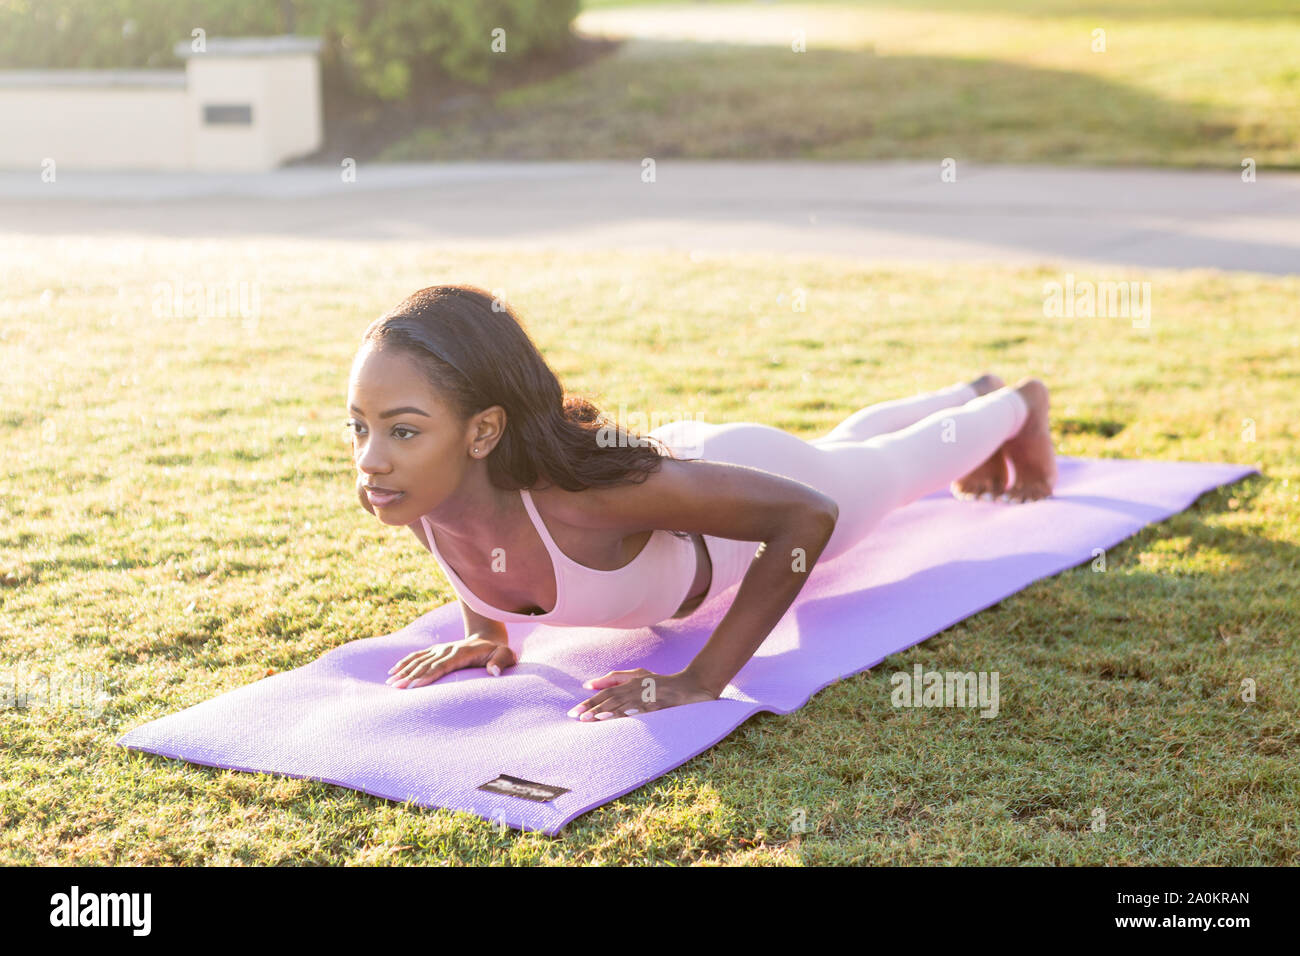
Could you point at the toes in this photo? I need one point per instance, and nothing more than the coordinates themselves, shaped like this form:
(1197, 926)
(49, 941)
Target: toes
(984, 491)
(1029, 492)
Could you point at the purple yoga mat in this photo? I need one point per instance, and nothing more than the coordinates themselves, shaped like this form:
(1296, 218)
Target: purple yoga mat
(922, 569)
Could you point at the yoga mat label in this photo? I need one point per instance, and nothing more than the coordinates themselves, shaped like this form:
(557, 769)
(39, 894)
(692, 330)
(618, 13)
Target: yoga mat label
(528, 789)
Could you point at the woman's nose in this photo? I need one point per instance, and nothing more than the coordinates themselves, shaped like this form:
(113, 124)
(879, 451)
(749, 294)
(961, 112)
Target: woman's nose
(369, 462)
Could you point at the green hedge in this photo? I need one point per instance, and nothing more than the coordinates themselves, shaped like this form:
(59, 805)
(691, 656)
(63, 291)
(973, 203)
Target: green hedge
(382, 47)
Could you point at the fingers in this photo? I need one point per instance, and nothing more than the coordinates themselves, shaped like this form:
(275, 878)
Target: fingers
(615, 699)
(428, 665)
(613, 679)
(425, 672)
(414, 656)
(420, 665)
(588, 709)
(608, 705)
(408, 663)
(501, 658)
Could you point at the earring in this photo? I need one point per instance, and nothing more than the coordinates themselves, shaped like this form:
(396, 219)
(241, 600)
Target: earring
(476, 451)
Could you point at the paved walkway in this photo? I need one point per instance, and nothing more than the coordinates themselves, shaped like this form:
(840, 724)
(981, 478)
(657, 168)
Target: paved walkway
(865, 211)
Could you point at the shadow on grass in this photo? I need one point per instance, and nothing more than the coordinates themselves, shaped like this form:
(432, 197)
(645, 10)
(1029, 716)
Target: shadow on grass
(741, 102)
(1116, 10)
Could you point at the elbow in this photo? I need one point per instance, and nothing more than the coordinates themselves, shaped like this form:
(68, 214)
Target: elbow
(829, 512)
(831, 515)
(820, 516)
(826, 518)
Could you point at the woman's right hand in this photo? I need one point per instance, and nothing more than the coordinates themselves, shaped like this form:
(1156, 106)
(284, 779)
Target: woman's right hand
(426, 666)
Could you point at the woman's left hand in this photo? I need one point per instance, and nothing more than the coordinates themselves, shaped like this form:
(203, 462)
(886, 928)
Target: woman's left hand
(623, 693)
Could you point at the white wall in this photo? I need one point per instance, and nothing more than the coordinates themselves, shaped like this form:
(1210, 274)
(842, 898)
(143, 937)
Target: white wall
(154, 119)
(123, 121)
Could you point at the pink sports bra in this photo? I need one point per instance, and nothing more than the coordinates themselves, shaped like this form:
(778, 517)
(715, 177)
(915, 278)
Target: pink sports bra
(647, 590)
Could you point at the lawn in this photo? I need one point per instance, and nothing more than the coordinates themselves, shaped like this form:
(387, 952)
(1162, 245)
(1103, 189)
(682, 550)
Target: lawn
(180, 519)
(1206, 83)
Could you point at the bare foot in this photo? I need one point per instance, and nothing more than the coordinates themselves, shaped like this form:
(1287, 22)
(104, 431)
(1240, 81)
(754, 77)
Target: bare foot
(988, 382)
(991, 477)
(1030, 450)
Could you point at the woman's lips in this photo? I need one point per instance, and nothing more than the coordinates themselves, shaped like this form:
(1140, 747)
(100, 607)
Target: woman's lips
(381, 498)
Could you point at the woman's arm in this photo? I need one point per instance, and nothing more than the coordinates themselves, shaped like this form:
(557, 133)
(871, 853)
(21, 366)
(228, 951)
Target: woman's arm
(793, 521)
(774, 579)
(476, 625)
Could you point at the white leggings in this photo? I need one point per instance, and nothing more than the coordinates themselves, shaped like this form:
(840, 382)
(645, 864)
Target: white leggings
(879, 458)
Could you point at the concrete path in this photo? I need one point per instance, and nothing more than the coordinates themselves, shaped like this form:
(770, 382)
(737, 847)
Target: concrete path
(865, 211)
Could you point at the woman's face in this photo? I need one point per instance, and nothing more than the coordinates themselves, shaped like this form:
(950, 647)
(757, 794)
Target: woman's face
(404, 437)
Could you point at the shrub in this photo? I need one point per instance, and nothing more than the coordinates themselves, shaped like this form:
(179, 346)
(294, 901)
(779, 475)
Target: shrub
(380, 47)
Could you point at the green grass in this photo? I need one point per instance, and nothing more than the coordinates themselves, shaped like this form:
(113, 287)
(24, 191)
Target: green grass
(179, 517)
(1205, 84)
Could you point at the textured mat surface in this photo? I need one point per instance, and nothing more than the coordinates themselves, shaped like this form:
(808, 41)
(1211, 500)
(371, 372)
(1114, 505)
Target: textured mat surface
(925, 567)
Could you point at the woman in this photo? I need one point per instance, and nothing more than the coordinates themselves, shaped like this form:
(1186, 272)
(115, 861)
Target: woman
(529, 500)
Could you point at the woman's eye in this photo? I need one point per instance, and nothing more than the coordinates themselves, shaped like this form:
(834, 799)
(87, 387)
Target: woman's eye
(356, 428)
